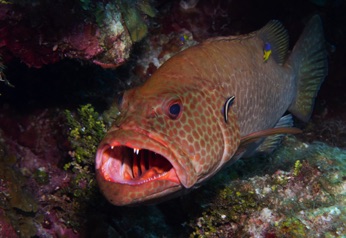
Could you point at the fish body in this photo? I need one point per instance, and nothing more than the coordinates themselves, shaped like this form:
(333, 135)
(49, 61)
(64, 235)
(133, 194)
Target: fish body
(173, 134)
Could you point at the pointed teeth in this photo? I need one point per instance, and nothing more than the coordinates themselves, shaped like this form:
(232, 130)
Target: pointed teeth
(136, 151)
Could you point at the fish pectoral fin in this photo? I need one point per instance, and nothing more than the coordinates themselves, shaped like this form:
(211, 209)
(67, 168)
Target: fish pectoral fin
(271, 142)
(264, 142)
(274, 36)
(253, 137)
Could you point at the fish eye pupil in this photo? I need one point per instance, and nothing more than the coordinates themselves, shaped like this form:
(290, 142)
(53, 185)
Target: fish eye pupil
(174, 110)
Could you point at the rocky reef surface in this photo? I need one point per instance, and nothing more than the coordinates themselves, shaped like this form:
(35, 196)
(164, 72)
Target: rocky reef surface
(44, 32)
(56, 103)
(300, 192)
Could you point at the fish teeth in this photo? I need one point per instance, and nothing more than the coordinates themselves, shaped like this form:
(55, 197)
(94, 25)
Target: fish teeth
(135, 150)
(152, 178)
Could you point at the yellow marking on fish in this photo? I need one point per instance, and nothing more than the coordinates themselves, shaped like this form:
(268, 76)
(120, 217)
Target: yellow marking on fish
(267, 51)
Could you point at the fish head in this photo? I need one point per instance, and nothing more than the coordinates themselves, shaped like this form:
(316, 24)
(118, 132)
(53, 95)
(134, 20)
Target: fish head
(166, 140)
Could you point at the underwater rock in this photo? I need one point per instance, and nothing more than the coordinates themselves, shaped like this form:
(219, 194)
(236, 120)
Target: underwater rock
(13, 189)
(6, 229)
(188, 4)
(30, 176)
(133, 20)
(305, 198)
(101, 32)
(16, 201)
(2, 74)
(160, 48)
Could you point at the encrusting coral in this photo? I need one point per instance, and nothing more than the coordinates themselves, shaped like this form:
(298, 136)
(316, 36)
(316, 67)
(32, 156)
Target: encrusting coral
(101, 32)
(305, 198)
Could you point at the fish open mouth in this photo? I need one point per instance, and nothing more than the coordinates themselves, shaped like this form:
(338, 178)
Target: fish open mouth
(134, 166)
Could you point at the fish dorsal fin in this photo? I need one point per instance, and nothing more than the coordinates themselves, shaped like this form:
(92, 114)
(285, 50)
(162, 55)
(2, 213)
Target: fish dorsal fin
(245, 140)
(275, 36)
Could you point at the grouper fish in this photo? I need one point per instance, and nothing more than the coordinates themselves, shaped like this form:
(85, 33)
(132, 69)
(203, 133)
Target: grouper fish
(206, 107)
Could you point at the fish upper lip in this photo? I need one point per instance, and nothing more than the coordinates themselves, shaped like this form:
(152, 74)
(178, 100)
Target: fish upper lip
(135, 157)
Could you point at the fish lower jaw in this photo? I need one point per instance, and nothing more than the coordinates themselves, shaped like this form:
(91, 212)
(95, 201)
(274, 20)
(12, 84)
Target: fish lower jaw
(146, 179)
(133, 166)
(151, 178)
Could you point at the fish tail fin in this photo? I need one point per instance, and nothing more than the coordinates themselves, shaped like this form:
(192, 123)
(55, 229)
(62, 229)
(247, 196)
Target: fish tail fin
(309, 60)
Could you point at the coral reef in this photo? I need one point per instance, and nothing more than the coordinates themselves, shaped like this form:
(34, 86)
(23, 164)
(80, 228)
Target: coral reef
(29, 181)
(98, 32)
(332, 132)
(18, 207)
(37, 196)
(304, 200)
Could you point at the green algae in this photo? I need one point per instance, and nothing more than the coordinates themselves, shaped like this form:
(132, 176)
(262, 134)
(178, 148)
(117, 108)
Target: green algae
(133, 19)
(146, 7)
(229, 206)
(86, 130)
(291, 227)
(242, 200)
(297, 167)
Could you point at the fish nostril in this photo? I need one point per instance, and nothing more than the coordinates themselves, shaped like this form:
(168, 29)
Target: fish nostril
(152, 113)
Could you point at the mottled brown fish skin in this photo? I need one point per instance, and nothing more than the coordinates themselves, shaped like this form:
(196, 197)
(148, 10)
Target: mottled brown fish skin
(263, 91)
(151, 153)
(197, 143)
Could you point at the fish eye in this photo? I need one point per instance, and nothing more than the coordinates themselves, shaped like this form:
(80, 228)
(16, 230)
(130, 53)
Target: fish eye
(174, 109)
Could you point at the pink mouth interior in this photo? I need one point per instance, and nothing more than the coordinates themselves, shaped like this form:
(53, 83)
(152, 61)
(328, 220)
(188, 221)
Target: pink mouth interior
(133, 166)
